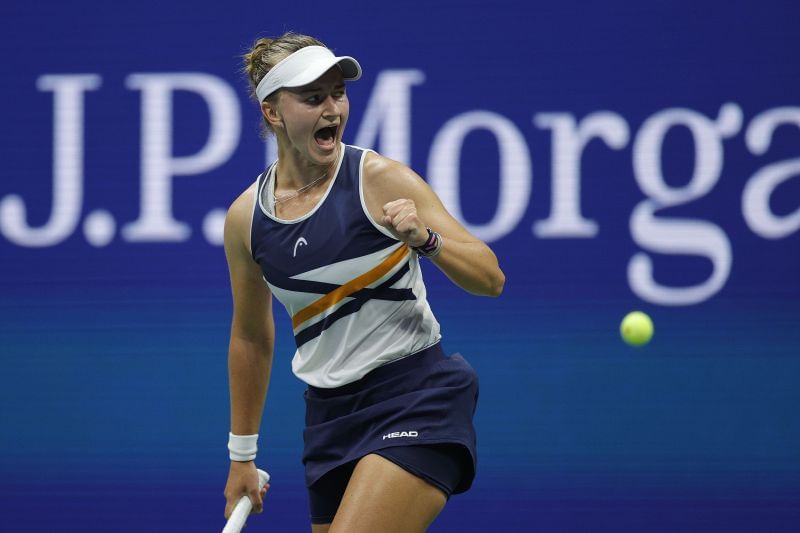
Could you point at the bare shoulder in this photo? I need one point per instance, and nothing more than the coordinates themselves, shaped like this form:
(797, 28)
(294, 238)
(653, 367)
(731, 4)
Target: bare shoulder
(386, 180)
(237, 221)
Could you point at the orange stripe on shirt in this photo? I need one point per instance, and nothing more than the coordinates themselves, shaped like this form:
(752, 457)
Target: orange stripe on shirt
(354, 285)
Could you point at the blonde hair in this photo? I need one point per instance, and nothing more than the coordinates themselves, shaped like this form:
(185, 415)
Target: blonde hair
(266, 53)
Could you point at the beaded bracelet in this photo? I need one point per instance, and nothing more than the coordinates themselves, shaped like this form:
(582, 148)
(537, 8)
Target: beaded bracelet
(432, 246)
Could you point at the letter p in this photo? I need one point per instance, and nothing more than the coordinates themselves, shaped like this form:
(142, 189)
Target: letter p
(159, 165)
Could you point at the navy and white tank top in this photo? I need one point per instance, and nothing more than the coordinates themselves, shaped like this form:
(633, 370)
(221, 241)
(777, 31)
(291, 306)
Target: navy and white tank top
(354, 292)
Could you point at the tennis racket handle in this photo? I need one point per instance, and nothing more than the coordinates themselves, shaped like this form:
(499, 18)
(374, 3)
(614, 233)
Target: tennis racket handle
(243, 507)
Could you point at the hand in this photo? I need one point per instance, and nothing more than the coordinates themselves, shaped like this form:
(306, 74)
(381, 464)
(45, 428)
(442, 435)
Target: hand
(400, 217)
(243, 479)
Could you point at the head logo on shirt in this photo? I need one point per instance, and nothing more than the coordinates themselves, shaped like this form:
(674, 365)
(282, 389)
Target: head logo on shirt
(300, 242)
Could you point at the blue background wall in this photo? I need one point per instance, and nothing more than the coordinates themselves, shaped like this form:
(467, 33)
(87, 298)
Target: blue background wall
(113, 388)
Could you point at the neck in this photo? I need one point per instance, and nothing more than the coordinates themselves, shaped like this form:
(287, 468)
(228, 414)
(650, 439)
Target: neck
(296, 171)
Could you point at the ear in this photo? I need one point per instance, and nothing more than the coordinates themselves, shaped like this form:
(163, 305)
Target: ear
(271, 114)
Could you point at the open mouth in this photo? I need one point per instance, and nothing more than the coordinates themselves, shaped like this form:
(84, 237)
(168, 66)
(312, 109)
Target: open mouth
(326, 137)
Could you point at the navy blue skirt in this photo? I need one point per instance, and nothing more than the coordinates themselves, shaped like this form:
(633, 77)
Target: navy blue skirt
(425, 398)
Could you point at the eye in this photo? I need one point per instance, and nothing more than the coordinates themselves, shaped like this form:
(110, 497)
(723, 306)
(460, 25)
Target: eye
(314, 99)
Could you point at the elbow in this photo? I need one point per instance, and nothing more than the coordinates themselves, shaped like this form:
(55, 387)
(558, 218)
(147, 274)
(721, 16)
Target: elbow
(497, 283)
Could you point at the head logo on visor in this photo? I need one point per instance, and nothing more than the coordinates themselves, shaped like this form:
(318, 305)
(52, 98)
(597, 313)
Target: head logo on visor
(303, 67)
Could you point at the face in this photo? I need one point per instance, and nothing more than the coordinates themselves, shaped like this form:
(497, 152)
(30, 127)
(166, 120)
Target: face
(313, 118)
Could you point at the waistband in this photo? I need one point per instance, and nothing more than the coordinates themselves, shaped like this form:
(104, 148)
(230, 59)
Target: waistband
(422, 358)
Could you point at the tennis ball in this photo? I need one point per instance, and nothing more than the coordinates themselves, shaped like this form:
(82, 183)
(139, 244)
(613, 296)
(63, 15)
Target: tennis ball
(636, 328)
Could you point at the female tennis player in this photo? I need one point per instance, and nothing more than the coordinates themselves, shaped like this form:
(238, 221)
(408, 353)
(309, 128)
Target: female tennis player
(337, 233)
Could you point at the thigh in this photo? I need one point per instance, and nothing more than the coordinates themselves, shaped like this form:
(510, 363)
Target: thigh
(382, 496)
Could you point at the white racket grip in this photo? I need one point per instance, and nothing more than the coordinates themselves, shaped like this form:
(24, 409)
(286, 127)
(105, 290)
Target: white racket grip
(242, 510)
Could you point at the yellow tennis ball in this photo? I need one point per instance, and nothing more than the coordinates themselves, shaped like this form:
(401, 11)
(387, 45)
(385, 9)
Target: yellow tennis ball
(636, 328)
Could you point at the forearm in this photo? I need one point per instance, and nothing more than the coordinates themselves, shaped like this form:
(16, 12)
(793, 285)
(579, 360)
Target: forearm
(472, 266)
(249, 366)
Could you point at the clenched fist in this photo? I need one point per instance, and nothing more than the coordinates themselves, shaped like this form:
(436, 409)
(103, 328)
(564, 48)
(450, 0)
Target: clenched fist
(400, 217)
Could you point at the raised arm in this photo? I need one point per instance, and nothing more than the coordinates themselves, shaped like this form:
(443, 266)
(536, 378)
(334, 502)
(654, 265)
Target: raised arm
(401, 200)
(250, 349)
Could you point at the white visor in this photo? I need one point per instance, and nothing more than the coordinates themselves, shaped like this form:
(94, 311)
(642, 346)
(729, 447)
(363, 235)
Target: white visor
(303, 67)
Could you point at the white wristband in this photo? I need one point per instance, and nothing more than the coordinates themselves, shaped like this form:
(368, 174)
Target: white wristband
(242, 447)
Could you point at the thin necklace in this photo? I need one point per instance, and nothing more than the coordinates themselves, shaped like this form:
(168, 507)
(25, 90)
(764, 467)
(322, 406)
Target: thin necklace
(292, 195)
(298, 192)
